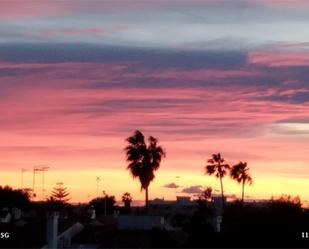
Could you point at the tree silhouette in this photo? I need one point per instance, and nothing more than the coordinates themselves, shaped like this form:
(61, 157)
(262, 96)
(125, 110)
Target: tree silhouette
(60, 193)
(13, 198)
(217, 166)
(286, 203)
(143, 159)
(127, 199)
(206, 194)
(239, 173)
(104, 205)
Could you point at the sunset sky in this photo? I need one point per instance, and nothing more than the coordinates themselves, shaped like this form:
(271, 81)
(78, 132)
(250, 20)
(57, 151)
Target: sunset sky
(230, 76)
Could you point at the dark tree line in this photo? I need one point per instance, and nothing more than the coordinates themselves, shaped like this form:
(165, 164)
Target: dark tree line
(14, 198)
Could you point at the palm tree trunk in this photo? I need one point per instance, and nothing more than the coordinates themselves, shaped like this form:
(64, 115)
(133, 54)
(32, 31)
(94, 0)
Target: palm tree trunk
(222, 193)
(146, 199)
(243, 192)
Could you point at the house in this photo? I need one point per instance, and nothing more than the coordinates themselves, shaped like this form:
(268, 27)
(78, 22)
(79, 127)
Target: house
(185, 206)
(63, 240)
(182, 205)
(5, 216)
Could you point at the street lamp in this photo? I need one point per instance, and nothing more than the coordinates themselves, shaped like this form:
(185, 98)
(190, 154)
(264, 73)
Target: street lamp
(98, 179)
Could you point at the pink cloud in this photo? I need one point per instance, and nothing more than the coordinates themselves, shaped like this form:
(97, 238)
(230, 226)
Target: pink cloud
(110, 71)
(278, 59)
(58, 101)
(19, 9)
(202, 74)
(12, 10)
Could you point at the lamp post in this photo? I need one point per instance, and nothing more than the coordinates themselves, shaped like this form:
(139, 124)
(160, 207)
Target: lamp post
(43, 169)
(98, 179)
(105, 197)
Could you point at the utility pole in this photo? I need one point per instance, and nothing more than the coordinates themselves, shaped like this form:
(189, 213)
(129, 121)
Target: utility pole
(177, 177)
(98, 179)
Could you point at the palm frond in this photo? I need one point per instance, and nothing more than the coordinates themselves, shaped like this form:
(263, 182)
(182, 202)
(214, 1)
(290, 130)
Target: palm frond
(216, 157)
(239, 172)
(210, 169)
(135, 168)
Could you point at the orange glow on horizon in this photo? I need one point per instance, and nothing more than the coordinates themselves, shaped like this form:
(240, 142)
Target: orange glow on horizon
(82, 185)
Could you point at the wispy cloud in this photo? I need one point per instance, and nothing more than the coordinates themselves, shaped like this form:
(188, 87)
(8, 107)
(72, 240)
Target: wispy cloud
(280, 59)
(171, 185)
(82, 31)
(155, 24)
(195, 189)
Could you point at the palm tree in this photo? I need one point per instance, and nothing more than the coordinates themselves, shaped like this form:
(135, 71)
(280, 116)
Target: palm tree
(217, 166)
(126, 199)
(143, 159)
(239, 172)
(206, 194)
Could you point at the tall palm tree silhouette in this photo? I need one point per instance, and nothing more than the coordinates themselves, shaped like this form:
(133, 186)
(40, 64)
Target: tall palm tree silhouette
(239, 172)
(143, 159)
(217, 166)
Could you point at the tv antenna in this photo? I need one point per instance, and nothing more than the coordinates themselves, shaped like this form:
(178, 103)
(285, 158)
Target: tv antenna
(22, 177)
(36, 170)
